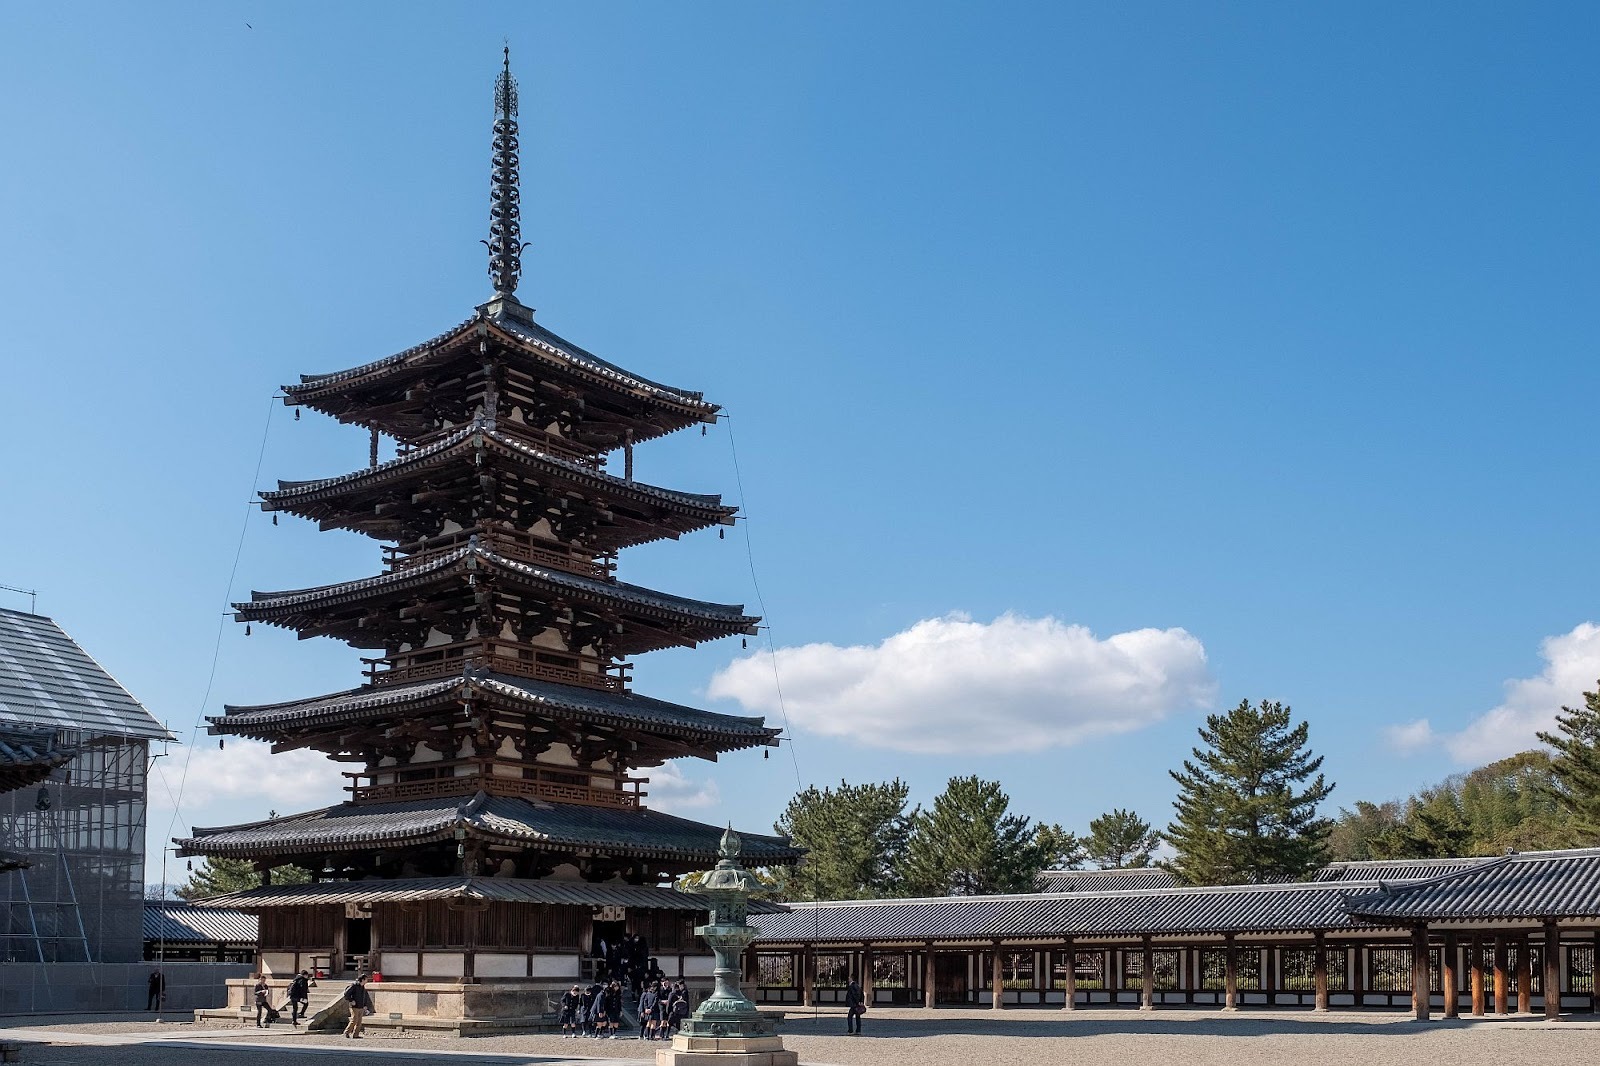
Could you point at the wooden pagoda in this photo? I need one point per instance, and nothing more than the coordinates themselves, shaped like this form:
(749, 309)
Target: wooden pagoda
(494, 750)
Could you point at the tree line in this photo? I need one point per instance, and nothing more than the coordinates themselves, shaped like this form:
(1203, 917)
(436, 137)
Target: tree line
(1247, 811)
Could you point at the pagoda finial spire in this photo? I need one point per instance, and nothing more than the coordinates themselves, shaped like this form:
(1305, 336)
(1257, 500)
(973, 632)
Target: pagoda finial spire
(505, 225)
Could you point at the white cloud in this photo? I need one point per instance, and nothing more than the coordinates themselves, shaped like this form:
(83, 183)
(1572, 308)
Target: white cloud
(1411, 737)
(671, 791)
(242, 782)
(1571, 665)
(951, 685)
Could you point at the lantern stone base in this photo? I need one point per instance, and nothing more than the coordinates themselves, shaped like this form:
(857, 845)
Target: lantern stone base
(726, 1051)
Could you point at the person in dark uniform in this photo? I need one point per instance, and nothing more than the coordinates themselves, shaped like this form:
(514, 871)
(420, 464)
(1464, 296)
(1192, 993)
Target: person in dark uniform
(855, 1006)
(157, 990)
(571, 1003)
(299, 996)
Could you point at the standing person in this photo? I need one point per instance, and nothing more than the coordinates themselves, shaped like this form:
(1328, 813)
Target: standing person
(263, 993)
(360, 1001)
(855, 1006)
(613, 1009)
(649, 1003)
(677, 1012)
(299, 995)
(594, 1009)
(570, 1004)
(157, 991)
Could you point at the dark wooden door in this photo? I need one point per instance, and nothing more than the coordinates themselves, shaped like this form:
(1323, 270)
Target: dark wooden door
(949, 979)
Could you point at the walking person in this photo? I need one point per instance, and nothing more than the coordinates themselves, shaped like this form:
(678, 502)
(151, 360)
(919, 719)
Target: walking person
(157, 991)
(855, 1006)
(299, 996)
(263, 994)
(360, 1001)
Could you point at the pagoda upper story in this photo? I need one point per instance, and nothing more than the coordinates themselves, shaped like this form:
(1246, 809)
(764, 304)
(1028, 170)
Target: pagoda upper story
(501, 635)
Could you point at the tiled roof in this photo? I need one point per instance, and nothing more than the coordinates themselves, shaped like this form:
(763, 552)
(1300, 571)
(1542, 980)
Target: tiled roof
(263, 603)
(1531, 885)
(14, 860)
(47, 680)
(178, 923)
(294, 492)
(1393, 869)
(1161, 912)
(1105, 880)
(505, 819)
(594, 705)
(508, 889)
(532, 336)
(27, 756)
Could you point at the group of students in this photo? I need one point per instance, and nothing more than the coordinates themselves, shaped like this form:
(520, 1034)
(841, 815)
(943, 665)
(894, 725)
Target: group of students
(299, 993)
(597, 1010)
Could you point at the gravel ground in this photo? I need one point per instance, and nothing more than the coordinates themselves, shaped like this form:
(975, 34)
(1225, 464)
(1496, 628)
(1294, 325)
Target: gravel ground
(909, 1037)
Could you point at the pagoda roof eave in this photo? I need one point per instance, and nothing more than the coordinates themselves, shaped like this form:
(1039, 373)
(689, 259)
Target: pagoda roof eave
(706, 509)
(717, 732)
(278, 607)
(520, 335)
(536, 824)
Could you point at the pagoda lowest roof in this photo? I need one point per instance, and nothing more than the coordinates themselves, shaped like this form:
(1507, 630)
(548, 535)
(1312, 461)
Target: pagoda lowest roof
(527, 823)
(721, 732)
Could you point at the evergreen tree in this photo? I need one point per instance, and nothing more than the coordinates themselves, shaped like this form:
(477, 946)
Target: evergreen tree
(855, 836)
(1120, 838)
(1576, 768)
(216, 876)
(1061, 850)
(969, 844)
(1247, 803)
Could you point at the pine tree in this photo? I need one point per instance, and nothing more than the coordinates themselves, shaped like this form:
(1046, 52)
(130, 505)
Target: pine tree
(969, 844)
(1061, 849)
(1247, 803)
(1576, 768)
(855, 836)
(1120, 838)
(217, 875)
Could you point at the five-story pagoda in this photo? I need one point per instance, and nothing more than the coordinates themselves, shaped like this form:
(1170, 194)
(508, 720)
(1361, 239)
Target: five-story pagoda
(496, 827)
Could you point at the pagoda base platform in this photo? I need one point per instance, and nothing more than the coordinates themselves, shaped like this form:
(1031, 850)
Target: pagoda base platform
(726, 1051)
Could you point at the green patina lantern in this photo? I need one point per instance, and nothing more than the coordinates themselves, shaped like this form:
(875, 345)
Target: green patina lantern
(728, 1013)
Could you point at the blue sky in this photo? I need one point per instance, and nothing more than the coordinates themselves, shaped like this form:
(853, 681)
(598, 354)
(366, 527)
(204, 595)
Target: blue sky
(1272, 323)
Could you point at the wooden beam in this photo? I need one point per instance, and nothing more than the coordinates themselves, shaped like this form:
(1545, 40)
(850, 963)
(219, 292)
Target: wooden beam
(1071, 989)
(1502, 999)
(1524, 977)
(1552, 971)
(1147, 979)
(1319, 974)
(1449, 979)
(1421, 1008)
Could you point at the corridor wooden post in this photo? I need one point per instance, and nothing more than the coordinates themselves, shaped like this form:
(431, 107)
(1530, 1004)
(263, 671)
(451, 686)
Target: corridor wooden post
(1070, 989)
(1422, 1009)
(1230, 975)
(1147, 983)
(930, 990)
(866, 974)
(1319, 974)
(1502, 998)
(998, 982)
(1476, 972)
(1551, 985)
(1524, 976)
(1449, 978)
(808, 977)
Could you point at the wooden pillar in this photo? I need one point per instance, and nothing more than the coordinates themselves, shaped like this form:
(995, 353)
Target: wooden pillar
(1524, 977)
(1422, 1010)
(929, 989)
(1147, 979)
(1502, 1003)
(1070, 1000)
(808, 976)
(997, 981)
(1319, 973)
(866, 974)
(1449, 980)
(1358, 973)
(1552, 971)
(1476, 977)
(1230, 975)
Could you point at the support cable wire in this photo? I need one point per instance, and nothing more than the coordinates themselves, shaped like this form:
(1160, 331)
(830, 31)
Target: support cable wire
(777, 683)
(222, 621)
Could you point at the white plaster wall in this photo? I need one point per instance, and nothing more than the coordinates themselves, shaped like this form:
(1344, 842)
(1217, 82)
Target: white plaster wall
(699, 965)
(486, 964)
(443, 964)
(399, 964)
(555, 966)
(277, 962)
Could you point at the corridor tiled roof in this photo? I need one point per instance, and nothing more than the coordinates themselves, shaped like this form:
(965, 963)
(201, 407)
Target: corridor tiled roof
(179, 922)
(1530, 885)
(507, 819)
(47, 680)
(1106, 880)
